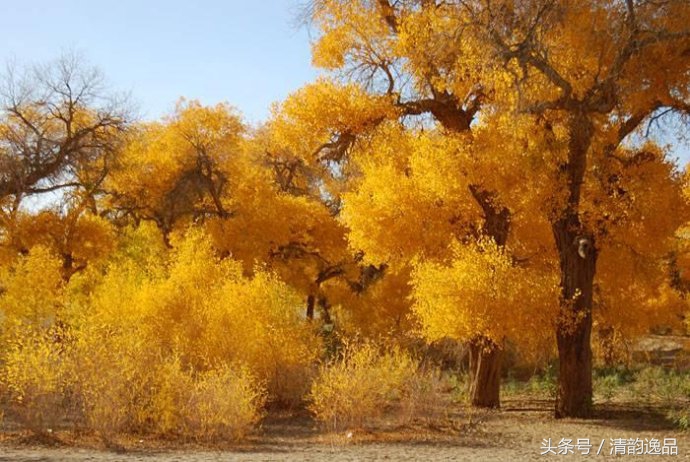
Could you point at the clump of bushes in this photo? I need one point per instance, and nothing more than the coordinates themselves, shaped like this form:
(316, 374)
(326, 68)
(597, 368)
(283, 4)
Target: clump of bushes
(183, 344)
(669, 389)
(222, 403)
(36, 379)
(366, 383)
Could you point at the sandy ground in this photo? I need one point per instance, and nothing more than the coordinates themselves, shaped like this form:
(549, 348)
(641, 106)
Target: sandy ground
(514, 433)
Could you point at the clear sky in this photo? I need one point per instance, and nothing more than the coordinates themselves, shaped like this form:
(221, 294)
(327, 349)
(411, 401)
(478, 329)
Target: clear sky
(249, 53)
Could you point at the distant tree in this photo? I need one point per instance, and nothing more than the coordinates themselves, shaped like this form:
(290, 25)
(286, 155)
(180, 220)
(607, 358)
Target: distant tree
(59, 127)
(177, 170)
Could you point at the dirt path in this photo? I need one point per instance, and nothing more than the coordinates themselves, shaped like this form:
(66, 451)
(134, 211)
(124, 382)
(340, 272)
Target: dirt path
(515, 433)
(393, 451)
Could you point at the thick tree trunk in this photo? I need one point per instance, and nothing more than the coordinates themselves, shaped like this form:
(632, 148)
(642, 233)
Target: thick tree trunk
(578, 263)
(574, 398)
(485, 373)
(578, 256)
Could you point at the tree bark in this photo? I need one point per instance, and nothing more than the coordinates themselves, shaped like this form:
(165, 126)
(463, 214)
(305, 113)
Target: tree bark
(485, 373)
(325, 310)
(578, 257)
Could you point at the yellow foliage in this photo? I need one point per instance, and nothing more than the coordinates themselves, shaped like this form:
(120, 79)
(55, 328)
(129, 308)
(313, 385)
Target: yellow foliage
(175, 169)
(113, 369)
(219, 403)
(366, 383)
(482, 292)
(203, 310)
(37, 377)
(411, 198)
(308, 118)
(185, 345)
(382, 309)
(31, 290)
(350, 31)
(438, 123)
(77, 238)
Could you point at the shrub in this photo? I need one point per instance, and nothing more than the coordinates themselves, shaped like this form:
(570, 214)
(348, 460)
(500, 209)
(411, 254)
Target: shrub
(423, 397)
(220, 403)
(258, 323)
(211, 314)
(366, 383)
(125, 386)
(32, 288)
(32, 357)
(224, 403)
(611, 382)
(113, 362)
(544, 384)
(606, 386)
(113, 373)
(541, 384)
(36, 380)
(680, 417)
(668, 388)
(186, 345)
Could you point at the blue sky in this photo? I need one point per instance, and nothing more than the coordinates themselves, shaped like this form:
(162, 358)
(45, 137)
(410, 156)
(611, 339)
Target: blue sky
(248, 53)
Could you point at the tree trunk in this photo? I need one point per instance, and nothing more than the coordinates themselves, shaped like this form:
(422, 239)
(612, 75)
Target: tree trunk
(310, 307)
(578, 257)
(485, 373)
(325, 310)
(485, 355)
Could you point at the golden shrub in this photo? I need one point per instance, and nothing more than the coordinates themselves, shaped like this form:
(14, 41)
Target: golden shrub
(31, 292)
(221, 403)
(189, 348)
(36, 379)
(113, 372)
(258, 323)
(366, 383)
(224, 402)
(32, 353)
(184, 344)
(211, 315)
